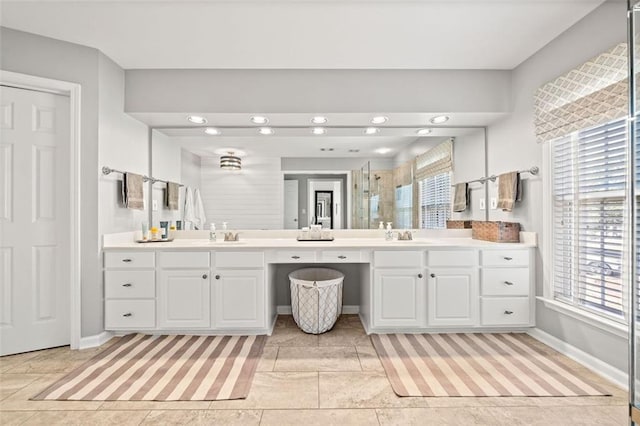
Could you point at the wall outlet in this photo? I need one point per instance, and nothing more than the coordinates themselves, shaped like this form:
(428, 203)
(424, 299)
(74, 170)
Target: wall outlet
(494, 203)
(483, 205)
(154, 205)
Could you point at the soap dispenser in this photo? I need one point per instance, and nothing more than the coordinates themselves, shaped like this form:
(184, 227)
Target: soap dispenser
(388, 235)
(212, 232)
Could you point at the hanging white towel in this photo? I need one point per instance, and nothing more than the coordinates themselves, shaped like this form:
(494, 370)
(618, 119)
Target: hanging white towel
(189, 208)
(200, 217)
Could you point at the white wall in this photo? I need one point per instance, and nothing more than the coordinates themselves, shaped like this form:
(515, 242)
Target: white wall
(512, 146)
(166, 164)
(247, 199)
(334, 164)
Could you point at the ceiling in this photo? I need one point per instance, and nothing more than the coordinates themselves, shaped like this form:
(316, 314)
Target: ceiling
(304, 34)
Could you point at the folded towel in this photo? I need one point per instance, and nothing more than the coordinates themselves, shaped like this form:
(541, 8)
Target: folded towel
(200, 217)
(189, 208)
(132, 191)
(509, 190)
(461, 197)
(171, 196)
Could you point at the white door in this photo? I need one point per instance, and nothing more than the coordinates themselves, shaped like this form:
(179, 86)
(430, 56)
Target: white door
(34, 220)
(291, 204)
(399, 298)
(453, 296)
(239, 298)
(184, 299)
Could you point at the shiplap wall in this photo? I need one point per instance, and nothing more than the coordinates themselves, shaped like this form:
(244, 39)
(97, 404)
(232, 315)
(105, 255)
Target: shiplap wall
(246, 199)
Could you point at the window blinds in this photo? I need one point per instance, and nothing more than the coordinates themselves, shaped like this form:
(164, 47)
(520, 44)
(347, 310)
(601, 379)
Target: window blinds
(589, 169)
(435, 201)
(437, 160)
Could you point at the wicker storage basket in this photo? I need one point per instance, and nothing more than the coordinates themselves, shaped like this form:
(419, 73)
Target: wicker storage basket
(497, 232)
(458, 224)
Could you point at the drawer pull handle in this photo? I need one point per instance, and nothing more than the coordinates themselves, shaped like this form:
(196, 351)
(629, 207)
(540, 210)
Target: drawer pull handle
(128, 314)
(508, 283)
(295, 257)
(432, 275)
(342, 257)
(508, 312)
(127, 260)
(508, 258)
(419, 275)
(217, 277)
(204, 277)
(126, 285)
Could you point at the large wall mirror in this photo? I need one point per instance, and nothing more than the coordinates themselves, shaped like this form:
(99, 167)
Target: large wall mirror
(294, 178)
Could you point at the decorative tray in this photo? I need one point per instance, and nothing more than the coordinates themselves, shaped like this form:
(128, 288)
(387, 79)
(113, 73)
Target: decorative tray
(314, 239)
(166, 240)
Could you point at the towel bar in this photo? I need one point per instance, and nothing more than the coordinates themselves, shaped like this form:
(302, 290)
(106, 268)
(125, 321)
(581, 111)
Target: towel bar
(533, 170)
(108, 170)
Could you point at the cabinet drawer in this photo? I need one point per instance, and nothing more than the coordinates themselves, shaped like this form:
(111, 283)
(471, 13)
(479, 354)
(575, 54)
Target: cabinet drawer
(239, 259)
(505, 281)
(397, 259)
(505, 257)
(340, 256)
(121, 259)
(452, 258)
(129, 284)
(298, 256)
(129, 314)
(505, 311)
(183, 259)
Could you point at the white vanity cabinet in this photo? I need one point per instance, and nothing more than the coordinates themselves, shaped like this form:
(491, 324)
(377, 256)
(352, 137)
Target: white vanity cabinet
(398, 295)
(184, 290)
(452, 288)
(239, 290)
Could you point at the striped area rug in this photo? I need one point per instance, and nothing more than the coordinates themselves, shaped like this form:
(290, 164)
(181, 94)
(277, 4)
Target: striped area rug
(475, 365)
(164, 368)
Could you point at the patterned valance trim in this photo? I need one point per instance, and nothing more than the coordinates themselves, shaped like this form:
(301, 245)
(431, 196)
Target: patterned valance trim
(403, 174)
(437, 160)
(589, 95)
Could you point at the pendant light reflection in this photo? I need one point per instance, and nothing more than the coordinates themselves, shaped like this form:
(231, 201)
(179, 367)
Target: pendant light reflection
(230, 162)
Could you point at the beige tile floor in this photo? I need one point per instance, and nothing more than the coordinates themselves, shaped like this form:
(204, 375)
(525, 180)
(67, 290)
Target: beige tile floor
(331, 379)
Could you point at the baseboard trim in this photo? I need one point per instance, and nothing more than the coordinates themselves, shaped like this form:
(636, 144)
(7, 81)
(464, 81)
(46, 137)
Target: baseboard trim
(596, 365)
(346, 309)
(94, 341)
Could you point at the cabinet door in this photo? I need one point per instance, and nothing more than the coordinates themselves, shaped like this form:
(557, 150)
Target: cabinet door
(453, 296)
(399, 298)
(239, 298)
(184, 299)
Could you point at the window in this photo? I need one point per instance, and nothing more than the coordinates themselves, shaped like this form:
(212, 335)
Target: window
(404, 206)
(588, 188)
(435, 201)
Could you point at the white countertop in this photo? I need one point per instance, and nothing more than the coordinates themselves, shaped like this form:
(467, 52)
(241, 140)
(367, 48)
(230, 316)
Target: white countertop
(126, 241)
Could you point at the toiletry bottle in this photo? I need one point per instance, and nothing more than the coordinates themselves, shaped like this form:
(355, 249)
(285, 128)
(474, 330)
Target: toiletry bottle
(212, 232)
(381, 225)
(388, 235)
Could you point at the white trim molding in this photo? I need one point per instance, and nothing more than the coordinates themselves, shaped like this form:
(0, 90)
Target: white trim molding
(346, 309)
(73, 90)
(596, 365)
(95, 341)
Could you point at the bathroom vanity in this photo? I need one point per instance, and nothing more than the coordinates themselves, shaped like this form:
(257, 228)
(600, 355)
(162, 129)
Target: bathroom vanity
(424, 285)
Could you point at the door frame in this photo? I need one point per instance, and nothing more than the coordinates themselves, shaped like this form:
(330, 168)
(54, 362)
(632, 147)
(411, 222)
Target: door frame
(73, 90)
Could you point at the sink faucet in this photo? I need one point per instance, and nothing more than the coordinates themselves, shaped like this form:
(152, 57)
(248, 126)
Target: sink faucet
(406, 235)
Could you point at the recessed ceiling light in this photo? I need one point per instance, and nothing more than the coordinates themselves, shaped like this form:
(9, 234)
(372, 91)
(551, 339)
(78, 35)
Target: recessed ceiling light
(423, 132)
(326, 149)
(319, 119)
(440, 119)
(259, 119)
(379, 119)
(371, 130)
(212, 131)
(354, 150)
(196, 119)
(383, 150)
(318, 130)
(266, 131)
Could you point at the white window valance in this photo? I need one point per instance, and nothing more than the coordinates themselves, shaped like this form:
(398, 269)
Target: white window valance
(437, 160)
(592, 94)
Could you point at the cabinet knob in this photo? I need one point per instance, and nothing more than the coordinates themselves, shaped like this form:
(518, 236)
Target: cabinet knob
(432, 275)
(128, 314)
(295, 257)
(204, 277)
(419, 275)
(508, 312)
(342, 257)
(508, 283)
(217, 277)
(507, 258)
(127, 260)
(126, 285)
